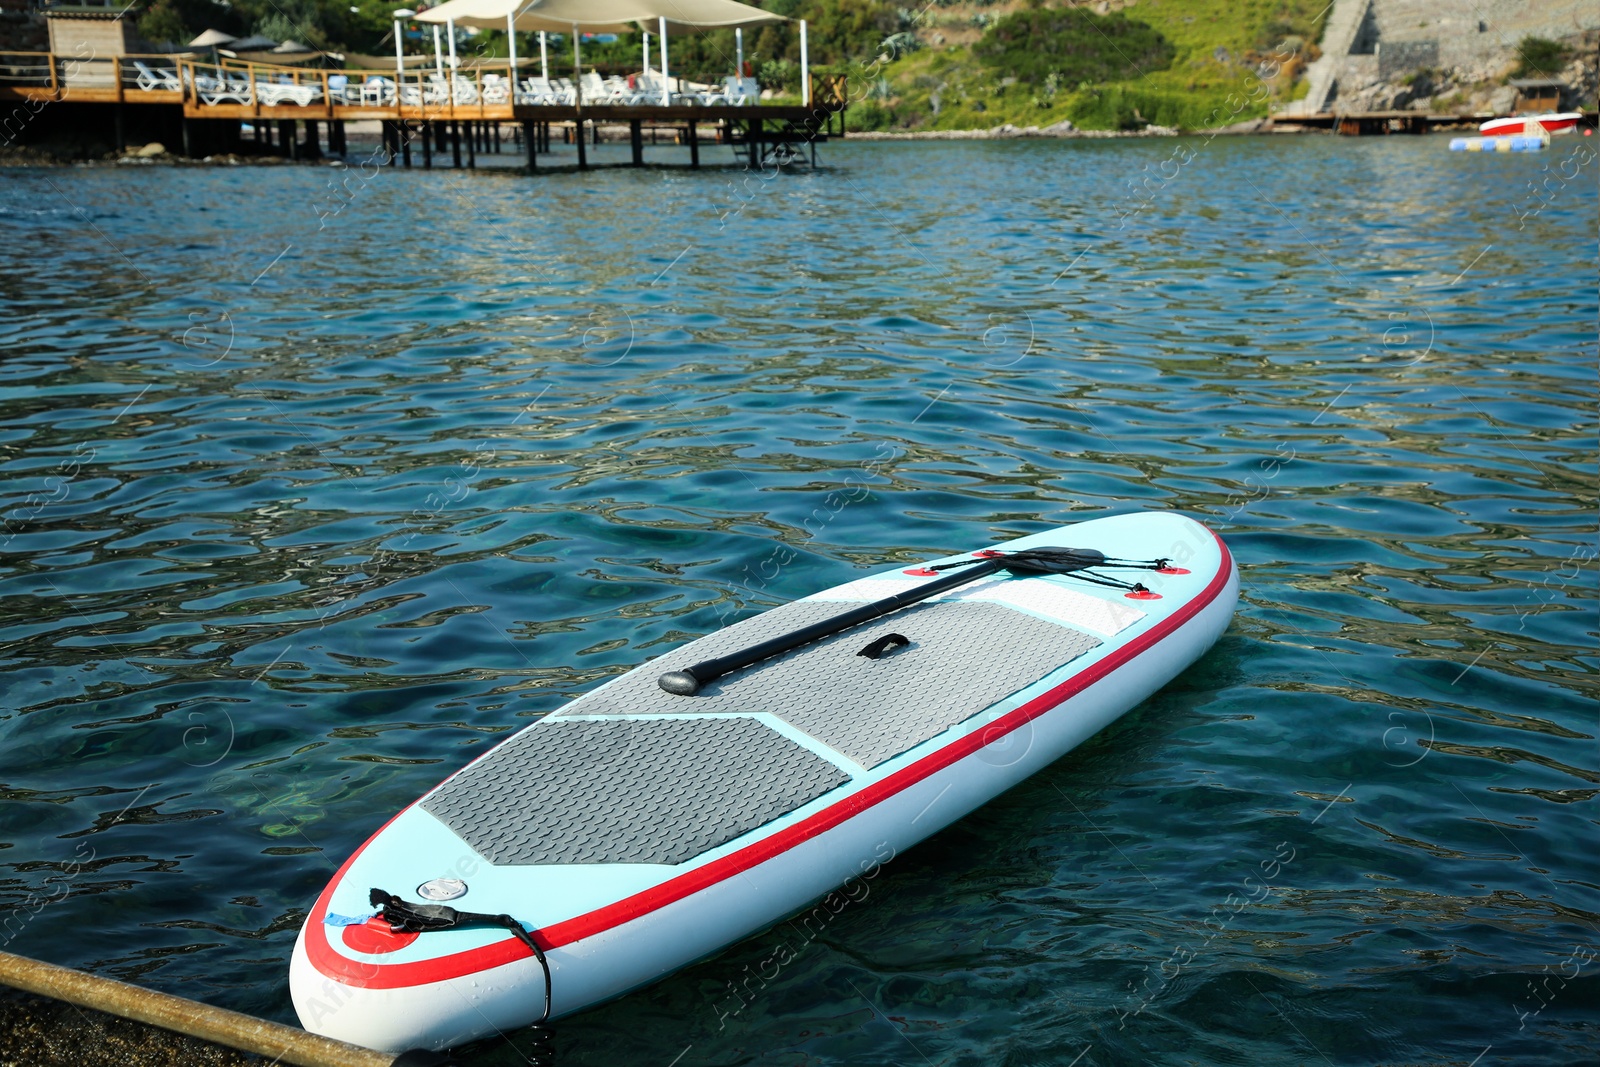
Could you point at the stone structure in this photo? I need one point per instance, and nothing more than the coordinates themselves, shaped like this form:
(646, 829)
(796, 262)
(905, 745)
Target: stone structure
(1398, 58)
(1367, 44)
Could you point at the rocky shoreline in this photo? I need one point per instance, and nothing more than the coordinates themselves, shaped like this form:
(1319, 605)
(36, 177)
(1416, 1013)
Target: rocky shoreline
(1065, 129)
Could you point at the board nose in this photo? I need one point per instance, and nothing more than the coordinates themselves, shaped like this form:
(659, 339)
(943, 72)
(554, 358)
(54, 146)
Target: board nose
(363, 1007)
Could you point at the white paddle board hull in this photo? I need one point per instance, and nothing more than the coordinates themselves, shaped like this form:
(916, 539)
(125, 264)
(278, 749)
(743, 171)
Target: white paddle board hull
(611, 923)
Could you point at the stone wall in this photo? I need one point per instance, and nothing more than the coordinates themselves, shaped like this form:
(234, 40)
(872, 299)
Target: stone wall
(1396, 58)
(1484, 33)
(1382, 55)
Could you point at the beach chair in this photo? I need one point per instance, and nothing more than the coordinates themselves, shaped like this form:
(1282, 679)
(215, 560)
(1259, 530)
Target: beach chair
(594, 89)
(648, 88)
(618, 91)
(630, 95)
(234, 87)
(284, 91)
(150, 80)
(457, 88)
(683, 92)
(432, 94)
(213, 89)
(496, 90)
(741, 91)
(376, 91)
(534, 91)
(711, 95)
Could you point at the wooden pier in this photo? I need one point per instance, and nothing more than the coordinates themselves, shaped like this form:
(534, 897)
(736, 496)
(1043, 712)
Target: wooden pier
(417, 108)
(1381, 123)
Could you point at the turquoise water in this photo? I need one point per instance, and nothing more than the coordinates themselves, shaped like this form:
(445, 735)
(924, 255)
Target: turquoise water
(303, 508)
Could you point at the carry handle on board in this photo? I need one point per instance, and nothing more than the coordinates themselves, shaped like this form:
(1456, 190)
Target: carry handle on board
(688, 681)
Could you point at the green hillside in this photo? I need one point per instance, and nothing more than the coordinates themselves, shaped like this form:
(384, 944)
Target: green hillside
(949, 64)
(1192, 63)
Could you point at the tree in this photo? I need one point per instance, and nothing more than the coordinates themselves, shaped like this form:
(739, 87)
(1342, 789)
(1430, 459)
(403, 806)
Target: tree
(1540, 57)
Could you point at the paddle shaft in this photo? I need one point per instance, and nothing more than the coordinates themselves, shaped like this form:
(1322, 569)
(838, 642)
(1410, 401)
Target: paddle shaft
(688, 681)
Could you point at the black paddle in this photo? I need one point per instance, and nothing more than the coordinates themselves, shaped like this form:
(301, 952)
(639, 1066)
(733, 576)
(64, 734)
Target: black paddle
(688, 681)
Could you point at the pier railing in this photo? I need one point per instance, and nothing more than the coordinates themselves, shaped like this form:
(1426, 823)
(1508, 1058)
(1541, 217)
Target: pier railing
(235, 88)
(146, 78)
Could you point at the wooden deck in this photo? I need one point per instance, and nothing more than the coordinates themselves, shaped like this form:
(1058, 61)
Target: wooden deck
(448, 111)
(248, 92)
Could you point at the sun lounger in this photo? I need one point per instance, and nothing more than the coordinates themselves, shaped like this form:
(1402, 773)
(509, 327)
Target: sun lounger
(741, 91)
(375, 91)
(275, 94)
(534, 91)
(496, 90)
(217, 88)
(342, 91)
(151, 80)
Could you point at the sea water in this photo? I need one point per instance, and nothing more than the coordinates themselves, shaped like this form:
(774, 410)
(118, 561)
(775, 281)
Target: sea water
(319, 482)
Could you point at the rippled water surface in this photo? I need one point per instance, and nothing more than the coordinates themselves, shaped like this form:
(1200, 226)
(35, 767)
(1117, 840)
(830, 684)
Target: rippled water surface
(297, 520)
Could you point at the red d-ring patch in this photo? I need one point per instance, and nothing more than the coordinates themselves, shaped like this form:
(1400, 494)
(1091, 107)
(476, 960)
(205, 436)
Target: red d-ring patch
(374, 936)
(988, 553)
(921, 572)
(1146, 595)
(1172, 570)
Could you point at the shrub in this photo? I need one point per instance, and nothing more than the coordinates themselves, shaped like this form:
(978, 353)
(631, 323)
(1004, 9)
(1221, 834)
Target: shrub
(1075, 45)
(779, 75)
(1120, 107)
(867, 116)
(1536, 55)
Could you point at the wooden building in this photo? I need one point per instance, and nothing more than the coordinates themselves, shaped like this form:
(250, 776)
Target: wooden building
(1535, 95)
(94, 33)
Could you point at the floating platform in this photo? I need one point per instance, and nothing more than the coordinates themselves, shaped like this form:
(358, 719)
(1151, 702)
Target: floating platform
(1519, 143)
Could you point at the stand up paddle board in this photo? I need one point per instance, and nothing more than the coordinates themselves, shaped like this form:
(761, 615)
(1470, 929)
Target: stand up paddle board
(714, 791)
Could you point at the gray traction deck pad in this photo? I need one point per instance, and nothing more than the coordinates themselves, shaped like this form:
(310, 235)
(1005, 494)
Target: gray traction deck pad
(964, 656)
(627, 790)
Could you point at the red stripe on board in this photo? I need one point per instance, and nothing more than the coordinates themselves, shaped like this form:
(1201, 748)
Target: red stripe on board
(371, 975)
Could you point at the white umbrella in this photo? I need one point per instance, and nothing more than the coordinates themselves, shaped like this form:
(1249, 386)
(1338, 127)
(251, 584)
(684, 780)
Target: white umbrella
(679, 14)
(211, 39)
(492, 14)
(613, 16)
